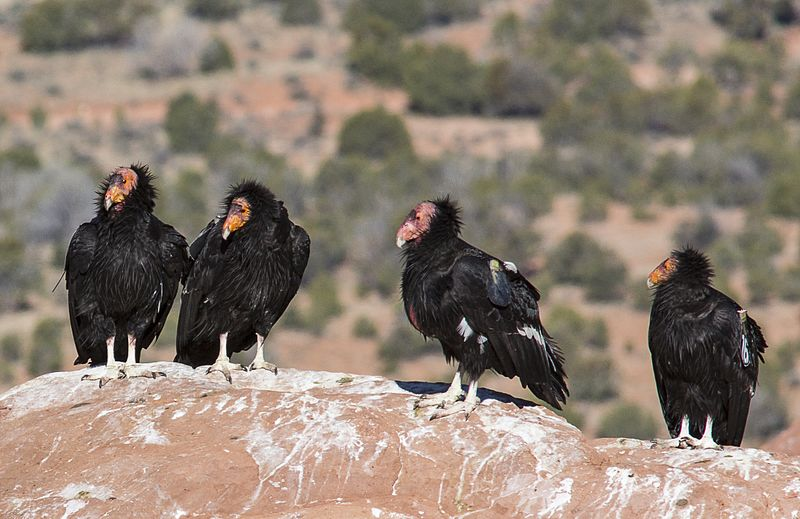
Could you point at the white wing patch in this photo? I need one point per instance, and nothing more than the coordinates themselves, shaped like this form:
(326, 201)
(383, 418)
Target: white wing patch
(510, 266)
(532, 332)
(482, 342)
(464, 329)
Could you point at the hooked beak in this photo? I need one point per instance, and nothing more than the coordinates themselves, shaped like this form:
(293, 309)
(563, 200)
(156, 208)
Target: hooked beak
(114, 195)
(225, 232)
(400, 242)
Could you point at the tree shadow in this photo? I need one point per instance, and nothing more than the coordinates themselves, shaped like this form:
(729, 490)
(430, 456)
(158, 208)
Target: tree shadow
(429, 388)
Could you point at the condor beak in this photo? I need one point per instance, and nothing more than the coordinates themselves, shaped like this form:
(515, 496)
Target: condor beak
(225, 232)
(650, 283)
(114, 195)
(400, 242)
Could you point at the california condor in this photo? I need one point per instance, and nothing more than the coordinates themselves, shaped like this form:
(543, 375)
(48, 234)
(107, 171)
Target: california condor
(481, 309)
(705, 351)
(122, 269)
(247, 267)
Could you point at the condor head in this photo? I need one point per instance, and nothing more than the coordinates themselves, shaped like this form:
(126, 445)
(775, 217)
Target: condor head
(238, 216)
(662, 272)
(121, 184)
(438, 218)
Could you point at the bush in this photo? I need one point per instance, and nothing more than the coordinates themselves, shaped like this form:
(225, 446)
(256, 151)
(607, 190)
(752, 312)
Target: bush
(324, 303)
(364, 328)
(792, 107)
(375, 134)
(216, 56)
(700, 233)
(300, 12)
(442, 80)
(20, 157)
(406, 15)
(519, 87)
(575, 333)
(582, 261)
(214, 9)
(768, 414)
(17, 273)
(191, 124)
(582, 20)
(747, 19)
(627, 420)
(592, 377)
(376, 51)
(45, 352)
(38, 117)
(11, 348)
(53, 25)
(443, 12)
(188, 205)
(404, 343)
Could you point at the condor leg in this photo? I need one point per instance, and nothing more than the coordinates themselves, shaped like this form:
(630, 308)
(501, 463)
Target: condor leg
(133, 369)
(114, 369)
(223, 364)
(260, 361)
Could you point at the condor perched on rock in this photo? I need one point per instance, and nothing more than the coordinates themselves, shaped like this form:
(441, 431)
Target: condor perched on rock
(705, 351)
(248, 264)
(482, 310)
(123, 270)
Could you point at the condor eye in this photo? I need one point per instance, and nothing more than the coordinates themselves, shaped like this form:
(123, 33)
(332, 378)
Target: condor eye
(418, 217)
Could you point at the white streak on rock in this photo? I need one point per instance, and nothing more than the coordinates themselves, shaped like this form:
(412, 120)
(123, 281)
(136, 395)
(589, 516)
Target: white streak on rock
(559, 499)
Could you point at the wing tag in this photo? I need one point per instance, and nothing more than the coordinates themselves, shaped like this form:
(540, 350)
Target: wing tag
(745, 347)
(499, 288)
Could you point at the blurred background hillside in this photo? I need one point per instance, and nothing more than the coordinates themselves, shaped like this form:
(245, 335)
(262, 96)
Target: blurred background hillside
(585, 139)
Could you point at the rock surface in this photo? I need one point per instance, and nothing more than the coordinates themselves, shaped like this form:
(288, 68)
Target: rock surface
(318, 444)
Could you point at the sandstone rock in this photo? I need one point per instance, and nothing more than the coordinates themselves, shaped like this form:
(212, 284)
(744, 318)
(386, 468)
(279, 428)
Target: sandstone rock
(318, 444)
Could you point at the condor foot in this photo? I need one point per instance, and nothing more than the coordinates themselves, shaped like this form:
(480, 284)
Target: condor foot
(462, 406)
(113, 371)
(139, 371)
(441, 400)
(225, 367)
(263, 364)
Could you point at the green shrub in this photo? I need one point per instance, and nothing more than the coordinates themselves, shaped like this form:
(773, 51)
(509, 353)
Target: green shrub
(443, 12)
(324, 303)
(375, 134)
(519, 87)
(442, 80)
(582, 20)
(625, 420)
(792, 107)
(768, 415)
(11, 348)
(592, 377)
(45, 353)
(20, 157)
(214, 9)
(376, 51)
(191, 124)
(747, 19)
(17, 273)
(364, 328)
(404, 343)
(216, 56)
(575, 333)
(789, 287)
(188, 205)
(579, 260)
(38, 117)
(53, 25)
(300, 12)
(701, 232)
(406, 15)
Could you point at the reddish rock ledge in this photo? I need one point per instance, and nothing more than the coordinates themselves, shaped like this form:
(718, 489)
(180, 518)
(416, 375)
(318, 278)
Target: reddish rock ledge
(318, 444)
